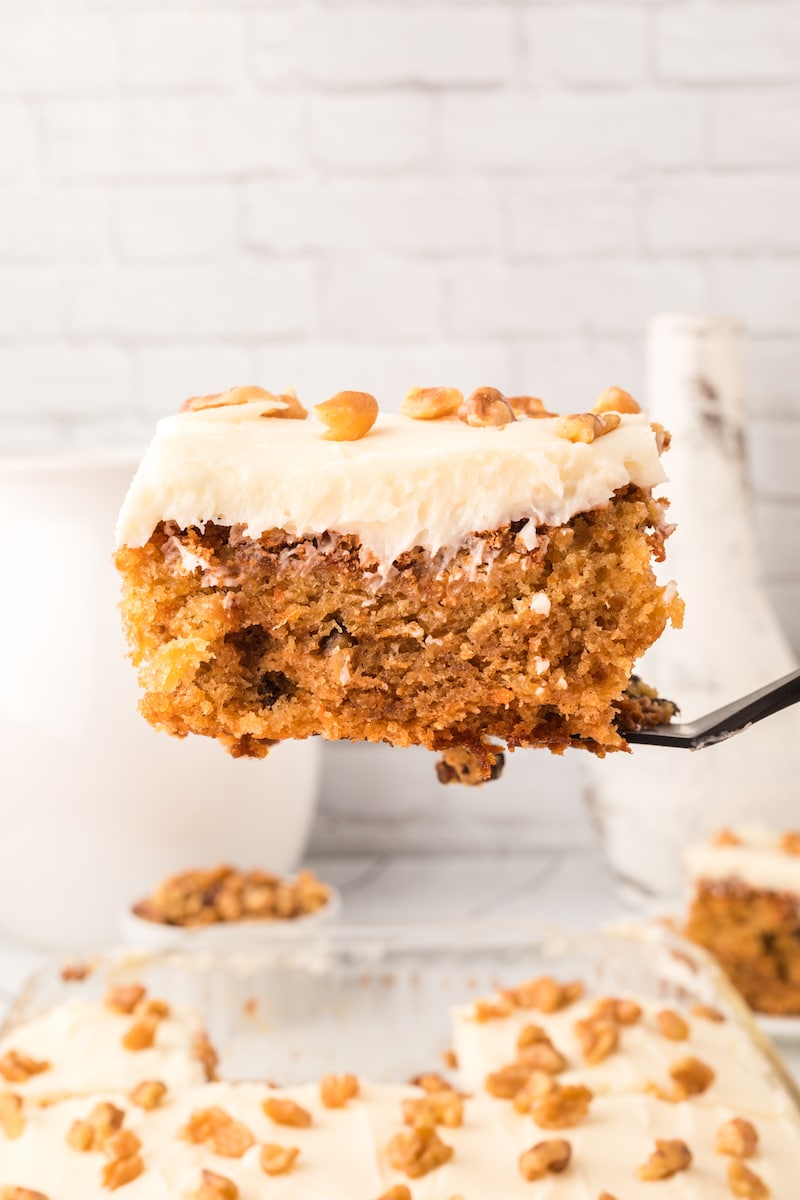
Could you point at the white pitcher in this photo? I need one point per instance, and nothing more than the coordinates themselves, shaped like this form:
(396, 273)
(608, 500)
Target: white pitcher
(651, 803)
(96, 806)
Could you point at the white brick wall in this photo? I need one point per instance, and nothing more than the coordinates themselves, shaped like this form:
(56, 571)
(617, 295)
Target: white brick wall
(375, 192)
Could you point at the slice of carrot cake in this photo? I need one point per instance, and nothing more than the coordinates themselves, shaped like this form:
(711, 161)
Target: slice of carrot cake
(466, 575)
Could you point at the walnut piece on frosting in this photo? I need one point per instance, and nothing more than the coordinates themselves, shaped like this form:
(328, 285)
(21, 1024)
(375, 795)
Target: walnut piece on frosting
(431, 403)
(148, 1094)
(20, 1193)
(216, 1187)
(550, 1157)
(529, 406)
(125, 998)
(216, 1129)
(292, 408)
(598, 1038)
(435, 1108)
(790, 843)
(672, 1026)
(19, 1068)
(278, 1160)
(738, 1138)
(398, 1192)
(349, 416)
(562, 1107)
(670, 1156)
(692, 1077)
(286, 1112)
(417, 1152)
(616, 400)
(120, 1171)
(619, 1009)
(336, 1090)
(486, 408)
(545, 994)
(586, 427)
(12, 1122)
(708, 1013)
(141, 1035)
(744, 1182)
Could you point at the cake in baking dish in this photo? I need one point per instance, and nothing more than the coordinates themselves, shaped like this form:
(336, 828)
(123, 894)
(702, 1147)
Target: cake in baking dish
(745, 909)
(465, 575)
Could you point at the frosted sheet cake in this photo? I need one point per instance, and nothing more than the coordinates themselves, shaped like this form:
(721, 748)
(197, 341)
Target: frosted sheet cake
(464, 575)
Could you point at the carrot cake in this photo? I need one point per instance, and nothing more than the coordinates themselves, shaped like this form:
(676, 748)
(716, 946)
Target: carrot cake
(465, 575)
(745, 909)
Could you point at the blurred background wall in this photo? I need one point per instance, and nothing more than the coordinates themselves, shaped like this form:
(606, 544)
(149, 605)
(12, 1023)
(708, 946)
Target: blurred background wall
(374, 194)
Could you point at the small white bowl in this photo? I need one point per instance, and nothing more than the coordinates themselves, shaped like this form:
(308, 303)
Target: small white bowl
(226, 935)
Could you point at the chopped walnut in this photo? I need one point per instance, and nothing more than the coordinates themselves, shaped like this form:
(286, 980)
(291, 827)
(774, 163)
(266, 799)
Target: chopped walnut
(204, 1052)
(429, 1081)
(148, 1094)
(692, 1077)
(219, 894)
(586, 427)
(707, 1013)
(491, 1010)
(141, 1035)
(416, 1152)
(245, 395)
(486, 408)
(398, 1192)
(504, 1083)
(550, 1157)
(105, 1119)
(159, 1010)
(737, 1137)
(606, 1196)
(726, 837)
(437, 1108)
(216, 1187)
(12, 1122)
(450, 1059)
(745, 1183)
(562, 1107)
(20, 1193)
(336, 1090)
(432, 403)
(542, 1056)
(349, 416)
(663, 437)
(216, 1129)
(529, 406)
(18, 1068)
(620, 1010)
(669, 1157)
(278, 1160)
(75, 972)
(123, 1144)
(286, 1112)
(120, 1171)
(538, 1084)
(672, 1026)
(598, 1038)
(545, 994)
(790, 844)
(125, 999)
(80, 1136)
(615, 399)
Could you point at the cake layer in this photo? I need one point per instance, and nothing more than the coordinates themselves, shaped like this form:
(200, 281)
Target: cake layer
(344, 1153)
(406, 484)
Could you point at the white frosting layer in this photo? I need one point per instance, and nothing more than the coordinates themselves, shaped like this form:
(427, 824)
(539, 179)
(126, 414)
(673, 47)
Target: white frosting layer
(342, 1154)
(407, 483)
(743, 1079)
(82, 1041)
(758, 861)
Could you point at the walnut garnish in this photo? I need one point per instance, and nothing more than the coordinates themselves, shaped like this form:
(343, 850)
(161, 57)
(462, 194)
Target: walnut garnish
(216, 1187)
(450, 1058)
(670, 1156)
(550, 1157)
(672, 1026)
(692, 1077)
(336, 1090)
(708, 1013)
(562, 1107)
(158, 1009)
(278, 1160)
(737, 1137)
(663, 437)
(286, 1112)
(349, 416)
(19, 1068)
(598, 1038)
(204, 1052)
(75, 972)
(141, 1035)
(148, 1094)
(429, 1081)
(244, 395)
(538, 1084)
(218, 894)
(121, 1171)
(398, 1192)
(123, 1144)
(416, 1152)
(615, 399)
(491, 1010)
(126, 998)
(586, 427)
(504, 1083)
(432, 403)
(529, 406)
(105, 1120)
(745, 1183)
(790, 844)
(619, 1010)
(80, 1136)
(12, 1121)
(437, 1108)
(20, 1193)
(215, 1128)
(726, 837)
(486, 407)
(545, 994)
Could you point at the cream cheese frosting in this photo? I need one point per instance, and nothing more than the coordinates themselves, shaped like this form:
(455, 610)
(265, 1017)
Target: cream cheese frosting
(82, 1043)
(406, 483)
(343, 1151)
(757, 860)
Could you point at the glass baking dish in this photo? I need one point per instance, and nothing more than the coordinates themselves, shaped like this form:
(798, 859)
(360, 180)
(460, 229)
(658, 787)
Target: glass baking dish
(377, 1002)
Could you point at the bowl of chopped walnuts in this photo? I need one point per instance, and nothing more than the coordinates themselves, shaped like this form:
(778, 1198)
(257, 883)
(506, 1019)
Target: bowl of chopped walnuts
(223, 908)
